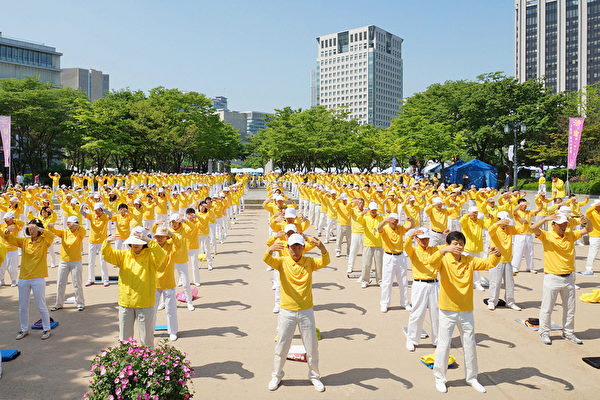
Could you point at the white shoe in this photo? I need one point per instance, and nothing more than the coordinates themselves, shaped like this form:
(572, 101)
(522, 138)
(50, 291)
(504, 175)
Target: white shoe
(196, 283)
(274, 383)
(161, 306)
(359, 280)
(349, 270)
(478, 286)
(383, 309)
(477, 386)
(408, 308)
(190, 306)
(546, 338)
(515, 307)
(172, 337)
(319, 387)
(276, 309)
(441, 386)
(338, 254)
(491, 306)
(364, 284)
(210, 268)
(410, 346)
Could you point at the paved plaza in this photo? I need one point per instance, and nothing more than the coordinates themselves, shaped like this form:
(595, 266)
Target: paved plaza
(230, 337)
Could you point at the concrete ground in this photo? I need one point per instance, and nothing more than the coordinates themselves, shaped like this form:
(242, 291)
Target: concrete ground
(230, 337)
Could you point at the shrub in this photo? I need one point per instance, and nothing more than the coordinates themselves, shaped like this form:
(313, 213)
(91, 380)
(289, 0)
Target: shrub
(131, 371)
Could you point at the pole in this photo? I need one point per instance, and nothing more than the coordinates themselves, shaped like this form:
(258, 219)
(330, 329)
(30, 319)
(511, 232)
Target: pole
(515, 158)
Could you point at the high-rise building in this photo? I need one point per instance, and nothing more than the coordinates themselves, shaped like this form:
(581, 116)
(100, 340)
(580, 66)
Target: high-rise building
(220, 103)
(360, 70)
(255, 122)
(558, 40)
(20, 58)
(93, 83)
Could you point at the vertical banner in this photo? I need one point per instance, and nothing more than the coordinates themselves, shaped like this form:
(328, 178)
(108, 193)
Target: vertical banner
(511, 153)
(394, 165)
(575, 128)
(5, 131)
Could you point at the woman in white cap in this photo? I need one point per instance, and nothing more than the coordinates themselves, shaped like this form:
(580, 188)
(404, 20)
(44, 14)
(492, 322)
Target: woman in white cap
(98, 232)
(180, 257)
(165, 279)
(11, 260)
(34, 270)
(70, 262)
(137, 282)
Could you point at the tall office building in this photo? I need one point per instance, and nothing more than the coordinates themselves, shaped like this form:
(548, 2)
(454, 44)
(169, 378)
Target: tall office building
(20, 58)
(255, 122)
(360, 69)
(93, 83)
(220, 103)
(559, 40)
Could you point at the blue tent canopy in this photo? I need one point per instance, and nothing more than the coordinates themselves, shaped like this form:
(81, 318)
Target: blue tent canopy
(450, 172)
(480, 174)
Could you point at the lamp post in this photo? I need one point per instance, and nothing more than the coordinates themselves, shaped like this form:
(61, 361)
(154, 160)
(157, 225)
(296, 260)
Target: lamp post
(515, 127)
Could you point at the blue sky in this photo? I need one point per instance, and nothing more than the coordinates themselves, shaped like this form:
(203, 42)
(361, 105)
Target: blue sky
(259, 53)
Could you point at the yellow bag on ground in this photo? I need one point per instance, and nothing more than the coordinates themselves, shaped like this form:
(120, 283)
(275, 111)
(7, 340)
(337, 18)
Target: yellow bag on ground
(202, 257)
(429, 359)
(593, 297)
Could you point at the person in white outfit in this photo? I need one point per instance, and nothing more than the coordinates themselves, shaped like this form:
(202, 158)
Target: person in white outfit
(11, 260)
(593, 215)
(523, 237)
(356, 240)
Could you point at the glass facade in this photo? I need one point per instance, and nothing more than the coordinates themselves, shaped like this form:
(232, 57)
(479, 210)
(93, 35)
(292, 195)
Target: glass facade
(572, 33)
(25, 56)
(593, 42)
(531, 30)
(551, 45)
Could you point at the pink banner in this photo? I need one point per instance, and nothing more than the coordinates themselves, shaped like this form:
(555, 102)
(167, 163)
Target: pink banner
(5, 131)
(575, 128)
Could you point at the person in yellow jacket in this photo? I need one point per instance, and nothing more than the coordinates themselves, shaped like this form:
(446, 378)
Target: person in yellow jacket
(541, 184)
(523, 237)
(123, 220)
(295, 274)
(70, 262)
(472, 224)
(34, 270)
(165, 280)
(182, 229)
(191, 240)
(98, 232)
(356, 241)
(137, 282)
(55, 180)
(559, 273)
(593, 215)
(372, 250)
(10, 260)
(456, 306)
(558, 187)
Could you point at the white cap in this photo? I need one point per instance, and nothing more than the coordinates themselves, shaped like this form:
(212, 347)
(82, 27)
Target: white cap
(134, 240)
(295, 239)
(343, 196)
(290, 213)
(175, 217)
(424, 235)
(73, 219)
(411, 197)
(379, 188)
(393, 216)
(373, 206)
(96, 196)
(137, 201)
(74, 201)
(565, 210)
(596, 203)
(437, 200)
(290, 227)
(503, 215)
(457, 190)
(98, 206)
(9, 215)
(561, 219)
(161, 190)
(14, 199)
(473, 209)
(333, 191)
(279, 198)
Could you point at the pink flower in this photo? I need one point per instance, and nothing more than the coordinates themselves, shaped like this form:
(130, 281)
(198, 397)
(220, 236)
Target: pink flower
(167, 377)
(118, 391)
(102, 370)
(116, 380)
(110, 397)
(146, 396)
(139, 396)
(150, 371)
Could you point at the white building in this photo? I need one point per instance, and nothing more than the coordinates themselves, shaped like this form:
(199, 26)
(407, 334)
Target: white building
(558, 40)
(359, 69)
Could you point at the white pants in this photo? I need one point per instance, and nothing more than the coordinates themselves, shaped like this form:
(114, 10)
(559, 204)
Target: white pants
(476, 277)
(542, 188)
(522, 247)
(38, 286)
(466, 327)
(454, 225)
(147, 223)
(182, 270)
(52, 255)
(145, 318)
(502, 270)
(331, 224)
(423, 296)
(316, 216)
(394, 266)
(592, 253)
(10, 264)
(311, 213)
(64, 268)
(168, 297)
(95, 250)
(212, 229)
(356, 243)
(437, 239)
(286, 326)
(204, 245)
(343, 233)
(553, 285)
(221, 230)
(193, 260)
(322, 222)
(370, 254)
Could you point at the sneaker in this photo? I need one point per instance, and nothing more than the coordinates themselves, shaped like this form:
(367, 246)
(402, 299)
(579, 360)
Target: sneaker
(161, 306)
(477, 386)
(106, 283)
(410, 346)
(379, 283)
(319, 387)
(326, 242)
(349, 270)
(383, 309)
(190, 306)
(478, 286)
(533, 271)
(408, 307)
(45, 335)
(210, 268)
(364, 284)
(572, 338)
(13, 284)
(276, 309)
(89, 283)
(196, 284)
(586, 273)
(172, 337)
(55, 308)
(338, 254)
(491, 306)
(274, 383)
(80, 308)
(22, 334)
(440, 386)
(1, 283)
(515, 307)
(546, 338)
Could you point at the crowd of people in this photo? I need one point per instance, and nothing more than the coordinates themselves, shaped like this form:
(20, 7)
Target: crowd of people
(448, 234)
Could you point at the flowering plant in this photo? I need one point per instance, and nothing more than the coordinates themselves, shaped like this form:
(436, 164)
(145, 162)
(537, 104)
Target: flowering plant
(132, 371)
